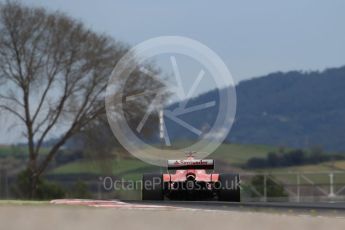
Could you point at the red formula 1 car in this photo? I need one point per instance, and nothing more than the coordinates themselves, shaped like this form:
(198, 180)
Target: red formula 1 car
(191, 179)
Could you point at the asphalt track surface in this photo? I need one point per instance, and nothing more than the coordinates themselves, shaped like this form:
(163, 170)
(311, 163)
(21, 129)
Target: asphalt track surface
(113, 214)
(216, 205)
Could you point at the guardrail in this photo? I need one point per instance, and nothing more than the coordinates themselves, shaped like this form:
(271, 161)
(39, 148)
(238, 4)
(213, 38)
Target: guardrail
(294, 186)
(263, 186)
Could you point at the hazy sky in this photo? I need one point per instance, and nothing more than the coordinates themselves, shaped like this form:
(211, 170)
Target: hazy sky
(252, 37)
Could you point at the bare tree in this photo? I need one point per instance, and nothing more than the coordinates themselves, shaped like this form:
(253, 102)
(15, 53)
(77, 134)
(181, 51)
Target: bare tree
(53, 75)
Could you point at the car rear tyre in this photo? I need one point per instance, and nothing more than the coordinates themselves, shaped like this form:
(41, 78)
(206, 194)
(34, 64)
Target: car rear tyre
(229, 187)
(152, 187)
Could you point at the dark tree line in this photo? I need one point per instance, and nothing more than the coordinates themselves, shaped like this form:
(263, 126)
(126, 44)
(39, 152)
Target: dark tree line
(292, 158)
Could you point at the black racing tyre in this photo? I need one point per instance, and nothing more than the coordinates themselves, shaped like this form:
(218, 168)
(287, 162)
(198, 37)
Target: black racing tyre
(152, 187)
(229, 187)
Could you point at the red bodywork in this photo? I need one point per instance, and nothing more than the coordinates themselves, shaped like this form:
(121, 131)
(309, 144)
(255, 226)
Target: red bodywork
(193, 173)
(199, 175)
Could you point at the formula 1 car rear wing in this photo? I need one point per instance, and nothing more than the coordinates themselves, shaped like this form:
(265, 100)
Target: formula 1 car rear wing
(190, 164)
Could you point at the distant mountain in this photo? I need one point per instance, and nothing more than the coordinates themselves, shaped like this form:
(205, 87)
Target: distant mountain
(294, 109)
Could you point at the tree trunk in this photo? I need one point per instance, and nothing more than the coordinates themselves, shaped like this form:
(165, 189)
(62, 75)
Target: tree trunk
(33, 178)
(33, 185)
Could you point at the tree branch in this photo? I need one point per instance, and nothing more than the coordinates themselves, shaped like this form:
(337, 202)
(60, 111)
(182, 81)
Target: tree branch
(13, 112)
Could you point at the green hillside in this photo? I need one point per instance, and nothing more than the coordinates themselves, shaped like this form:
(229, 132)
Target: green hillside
(232, 154)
